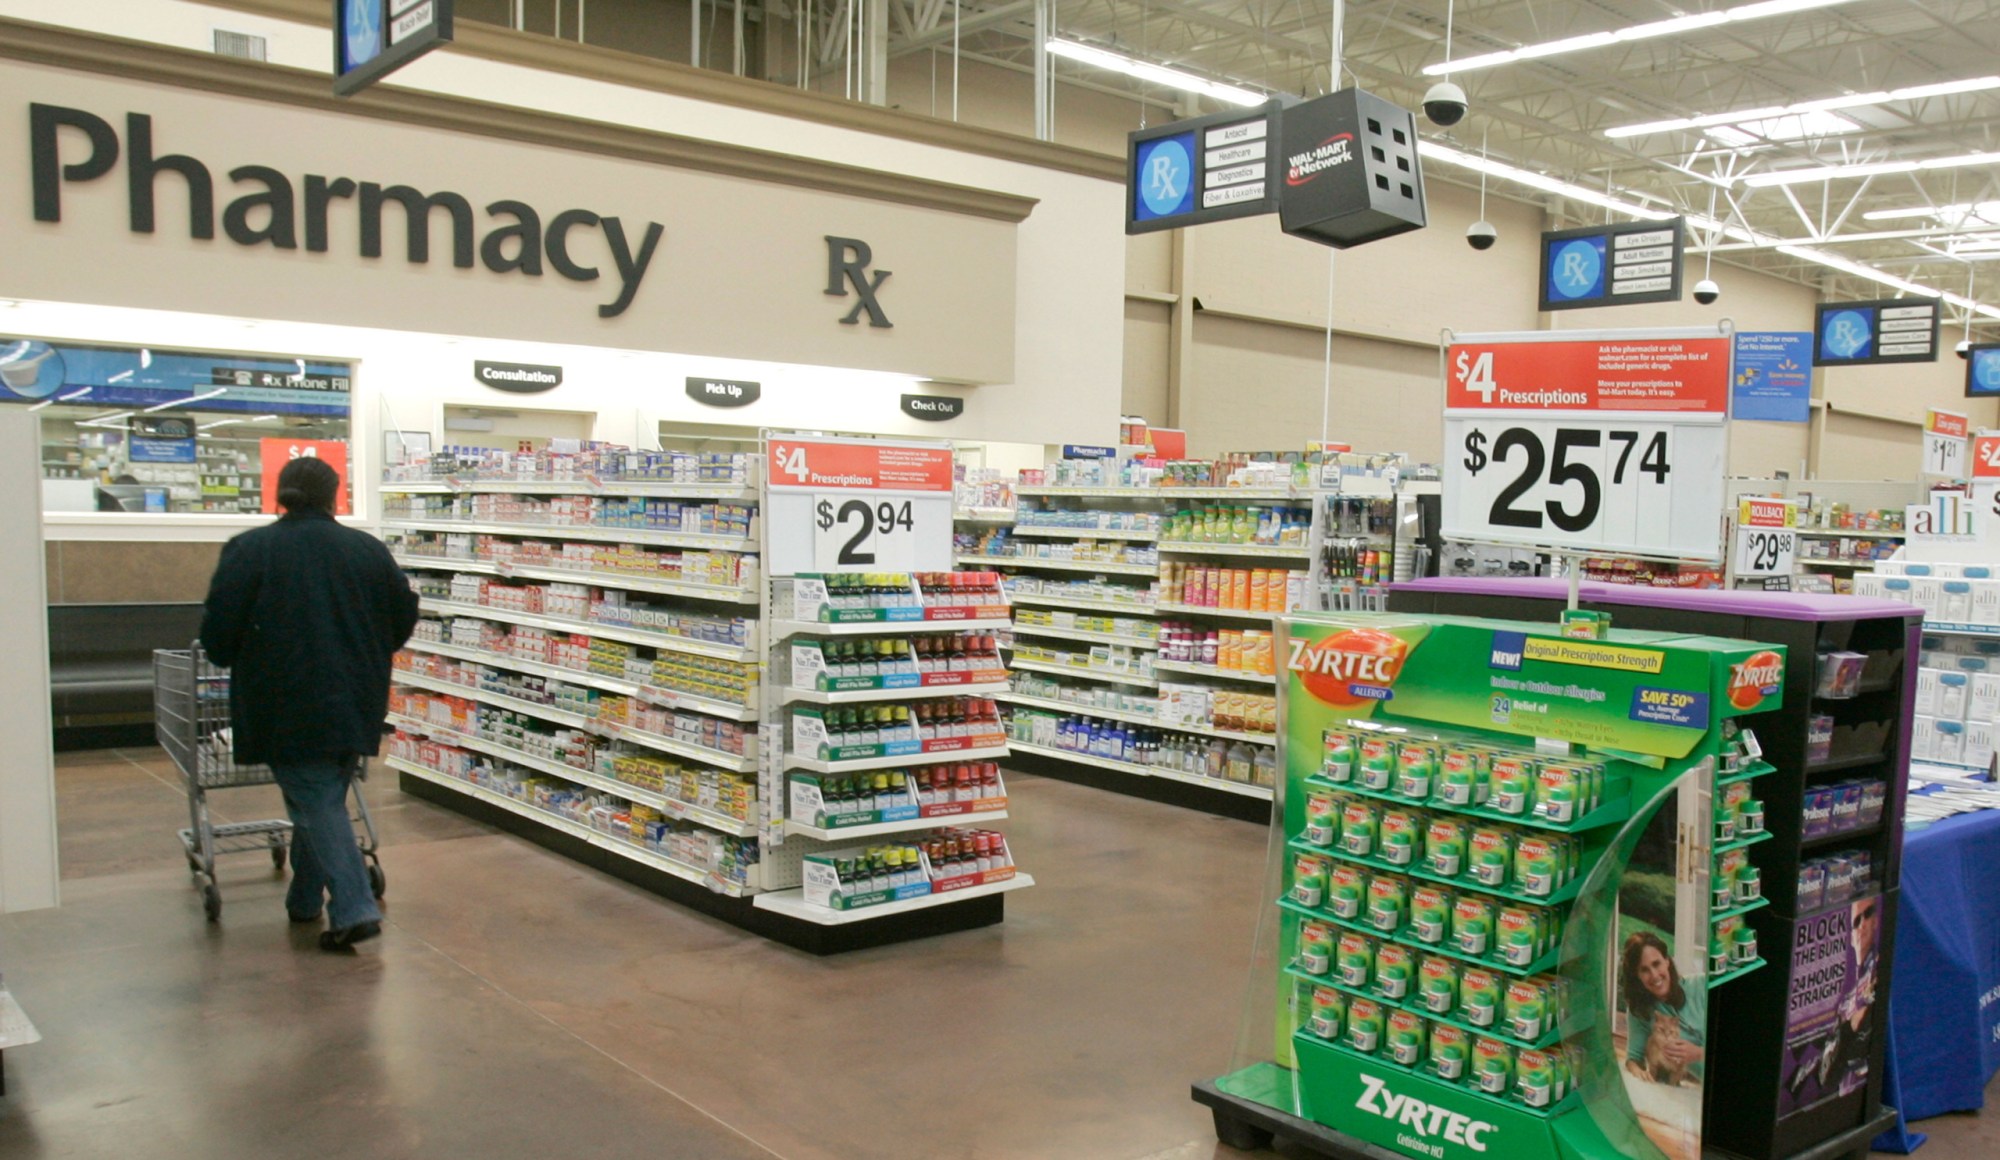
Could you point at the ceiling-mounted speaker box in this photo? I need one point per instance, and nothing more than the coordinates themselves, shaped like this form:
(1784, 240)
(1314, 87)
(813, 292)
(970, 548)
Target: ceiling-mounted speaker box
(1351, 170)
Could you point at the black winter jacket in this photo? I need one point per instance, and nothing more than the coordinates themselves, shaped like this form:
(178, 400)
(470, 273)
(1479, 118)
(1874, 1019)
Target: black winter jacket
(307, 613)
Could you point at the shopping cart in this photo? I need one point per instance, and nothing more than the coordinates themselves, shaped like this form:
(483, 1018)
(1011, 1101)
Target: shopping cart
(191, 720)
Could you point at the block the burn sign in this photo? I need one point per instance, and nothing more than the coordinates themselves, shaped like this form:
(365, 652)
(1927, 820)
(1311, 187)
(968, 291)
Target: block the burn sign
(1351, 171)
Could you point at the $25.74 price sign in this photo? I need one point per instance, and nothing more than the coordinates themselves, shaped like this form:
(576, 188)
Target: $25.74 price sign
(1598, 444)
(858, 505)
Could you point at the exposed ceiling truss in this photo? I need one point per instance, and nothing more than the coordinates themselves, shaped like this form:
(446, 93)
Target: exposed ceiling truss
(1549, 114)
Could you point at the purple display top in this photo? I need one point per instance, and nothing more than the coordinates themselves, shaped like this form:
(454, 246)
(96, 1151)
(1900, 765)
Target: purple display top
(1773, 605)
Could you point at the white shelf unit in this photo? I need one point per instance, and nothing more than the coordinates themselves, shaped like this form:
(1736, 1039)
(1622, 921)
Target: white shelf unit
(668, 698)
(792, 903)
(1210, 610)
(1097, 567)
(1077, 603)
(702, 599)
(626, 633)
(1158, 501)
(1215, 783)
(592, 532)
(662, 489)
(716, 758)
(1111, 675)
(576, 829)
(866, 764)
(1057, 632)
(880, 829)
(788, 840)
(673, 807)
(1272, 551)
(1216, 672)
(1053, 533)
(792, 696)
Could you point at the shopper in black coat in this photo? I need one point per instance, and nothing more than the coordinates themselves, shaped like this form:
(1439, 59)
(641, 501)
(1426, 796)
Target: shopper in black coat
(308, 614)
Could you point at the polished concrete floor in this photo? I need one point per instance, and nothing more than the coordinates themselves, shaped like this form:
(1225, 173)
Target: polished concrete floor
(519, 1005)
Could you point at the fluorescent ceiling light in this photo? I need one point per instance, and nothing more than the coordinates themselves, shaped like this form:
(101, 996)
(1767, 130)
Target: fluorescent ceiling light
(1984, 213)
(107, 417)
(1157, 74)
(1667, 27)
(234, 422)
(1824, 104)
(1432, 151)
(1788, 127)
(186, 401)
(1871, 169)
(61, 399)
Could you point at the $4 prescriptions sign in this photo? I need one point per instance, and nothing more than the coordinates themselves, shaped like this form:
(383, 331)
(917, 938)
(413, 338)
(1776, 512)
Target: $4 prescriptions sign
(858, 505)
(1611, 442)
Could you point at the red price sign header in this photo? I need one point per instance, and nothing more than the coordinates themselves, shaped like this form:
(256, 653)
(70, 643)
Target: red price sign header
(808, 465)
(1688, 376)
(1986, 457)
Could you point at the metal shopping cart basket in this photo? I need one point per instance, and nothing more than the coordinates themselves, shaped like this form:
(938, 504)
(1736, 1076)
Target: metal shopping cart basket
(191, 720)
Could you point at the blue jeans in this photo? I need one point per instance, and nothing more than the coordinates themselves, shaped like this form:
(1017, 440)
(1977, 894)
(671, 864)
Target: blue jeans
(325, 857)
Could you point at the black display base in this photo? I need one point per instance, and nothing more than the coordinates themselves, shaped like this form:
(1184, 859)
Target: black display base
(1155, 789)
(1249, 1126)
(811, 937)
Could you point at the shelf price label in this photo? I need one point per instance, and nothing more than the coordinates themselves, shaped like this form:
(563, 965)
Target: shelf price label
(1765, 551)
(1594, 445)
(1767, 543)
(1945, 444)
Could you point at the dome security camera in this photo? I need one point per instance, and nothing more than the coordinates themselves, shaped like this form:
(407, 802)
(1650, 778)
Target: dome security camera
(1445, 104)
(1964, 349)
(1706, 291)
(1481, 235)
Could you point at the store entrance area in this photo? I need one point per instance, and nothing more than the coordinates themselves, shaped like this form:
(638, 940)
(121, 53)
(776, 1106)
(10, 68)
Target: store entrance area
(522, 1006)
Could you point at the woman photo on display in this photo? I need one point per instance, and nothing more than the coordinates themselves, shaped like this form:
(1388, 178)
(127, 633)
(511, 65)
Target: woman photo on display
(1666, 1025)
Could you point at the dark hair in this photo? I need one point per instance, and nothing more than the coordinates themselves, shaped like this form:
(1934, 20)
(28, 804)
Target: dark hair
(308, 484)
(1638, 999)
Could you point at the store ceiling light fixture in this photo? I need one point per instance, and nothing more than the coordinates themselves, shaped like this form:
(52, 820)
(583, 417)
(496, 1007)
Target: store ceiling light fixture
(1157, 74)
(1789, 127)
(234, 422)
(61, 399)
(1432, 151)
(1867, 169)
(1648, 31)
(1979, 213)
(190, 400)
(1806, 108)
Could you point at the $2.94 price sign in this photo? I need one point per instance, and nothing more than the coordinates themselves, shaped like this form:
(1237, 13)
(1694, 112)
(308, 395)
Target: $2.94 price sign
(1599, 444)
(852, 505)
(855, 533)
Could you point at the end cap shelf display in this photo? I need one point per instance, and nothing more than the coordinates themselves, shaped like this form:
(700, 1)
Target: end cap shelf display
(605, 669)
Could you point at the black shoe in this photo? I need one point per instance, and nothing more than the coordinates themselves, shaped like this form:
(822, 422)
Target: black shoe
(347, 936)
(295, 916)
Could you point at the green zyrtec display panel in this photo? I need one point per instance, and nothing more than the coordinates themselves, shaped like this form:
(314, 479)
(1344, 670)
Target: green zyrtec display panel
(1496, 922)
